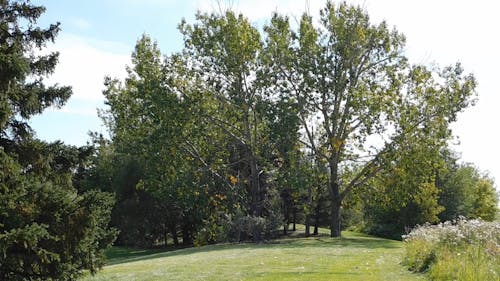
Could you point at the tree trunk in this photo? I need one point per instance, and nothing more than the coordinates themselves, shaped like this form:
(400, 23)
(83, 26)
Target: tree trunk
(294, 217)
(335, 219)
(286, 215)
(257, 235)
(173, 231)
(308, 232)
(186, 237)
(316, 217)
(336, 201)
(255, 186)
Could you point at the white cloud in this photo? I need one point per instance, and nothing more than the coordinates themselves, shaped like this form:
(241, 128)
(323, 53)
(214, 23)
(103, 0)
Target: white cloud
(83, 64)
(82, 24)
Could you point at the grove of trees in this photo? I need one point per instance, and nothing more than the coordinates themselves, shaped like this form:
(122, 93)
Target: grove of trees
(324, 123)
(241, 133)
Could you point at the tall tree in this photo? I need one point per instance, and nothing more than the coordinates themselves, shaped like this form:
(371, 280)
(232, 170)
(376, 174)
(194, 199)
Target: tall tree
(153, 120)
(360, 101)
(48, 230)
(224, 50)
(22, 72)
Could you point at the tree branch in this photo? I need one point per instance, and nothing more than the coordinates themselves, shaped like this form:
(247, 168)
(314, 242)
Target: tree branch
(191, 149)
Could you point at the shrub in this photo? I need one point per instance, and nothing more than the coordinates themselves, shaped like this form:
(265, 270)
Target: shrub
(216, 229)
(222, 227)
(459, 250)
(255, 228)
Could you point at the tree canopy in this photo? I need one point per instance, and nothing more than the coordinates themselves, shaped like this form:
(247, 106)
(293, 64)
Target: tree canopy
(281, 124)
(361, 104)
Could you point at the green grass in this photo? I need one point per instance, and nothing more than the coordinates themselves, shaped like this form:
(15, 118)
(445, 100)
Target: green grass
(354, 257)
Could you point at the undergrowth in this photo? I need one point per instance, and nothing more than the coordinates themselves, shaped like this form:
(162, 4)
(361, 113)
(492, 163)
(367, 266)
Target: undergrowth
(461, 250)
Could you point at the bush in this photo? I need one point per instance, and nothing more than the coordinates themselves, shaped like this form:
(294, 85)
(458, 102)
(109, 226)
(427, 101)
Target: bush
(255, 228)
(459, 250)
(227, 228)
(216, 229)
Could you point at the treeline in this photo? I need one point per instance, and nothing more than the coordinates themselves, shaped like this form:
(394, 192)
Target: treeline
(237, 137)
(245, 132)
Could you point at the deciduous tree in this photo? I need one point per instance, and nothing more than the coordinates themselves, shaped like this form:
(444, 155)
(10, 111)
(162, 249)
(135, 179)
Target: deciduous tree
(359, 100)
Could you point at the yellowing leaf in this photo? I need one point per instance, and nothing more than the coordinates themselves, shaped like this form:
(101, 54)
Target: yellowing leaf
(336, 143)
(233, 179)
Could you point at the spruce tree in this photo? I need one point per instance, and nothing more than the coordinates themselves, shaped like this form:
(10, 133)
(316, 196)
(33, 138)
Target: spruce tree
(48, 230)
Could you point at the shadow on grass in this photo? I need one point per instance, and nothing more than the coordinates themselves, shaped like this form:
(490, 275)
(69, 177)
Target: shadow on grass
(119, 255)
(325, 241)
(304, 273)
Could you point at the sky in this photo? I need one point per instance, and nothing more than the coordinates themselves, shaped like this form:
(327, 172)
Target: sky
(98, 36)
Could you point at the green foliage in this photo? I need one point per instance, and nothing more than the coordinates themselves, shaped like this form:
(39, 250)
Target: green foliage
(425, 186)
(353, 214)
(405, 194)
(21, 71)
(467, 193)
(49, 230)
(198, 128)
(485, 202)
(156, 148)
(351, 82)
(469, 263)
(243, 129)
(135, 211)
(224, 51)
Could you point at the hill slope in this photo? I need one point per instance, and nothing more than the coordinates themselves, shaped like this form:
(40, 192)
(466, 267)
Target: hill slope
(354, 257)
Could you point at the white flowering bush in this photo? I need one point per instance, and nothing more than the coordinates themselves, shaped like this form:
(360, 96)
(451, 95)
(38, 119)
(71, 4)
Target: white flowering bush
(458, 250)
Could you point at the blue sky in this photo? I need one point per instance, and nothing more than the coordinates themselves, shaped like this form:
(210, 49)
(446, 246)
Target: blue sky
(98, 37)
(120, 21)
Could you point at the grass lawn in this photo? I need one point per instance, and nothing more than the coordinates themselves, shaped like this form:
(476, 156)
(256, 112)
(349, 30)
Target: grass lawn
(354, 257)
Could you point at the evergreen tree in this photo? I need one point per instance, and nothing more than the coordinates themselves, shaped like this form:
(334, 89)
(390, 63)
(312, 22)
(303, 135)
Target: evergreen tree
(48, 230)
